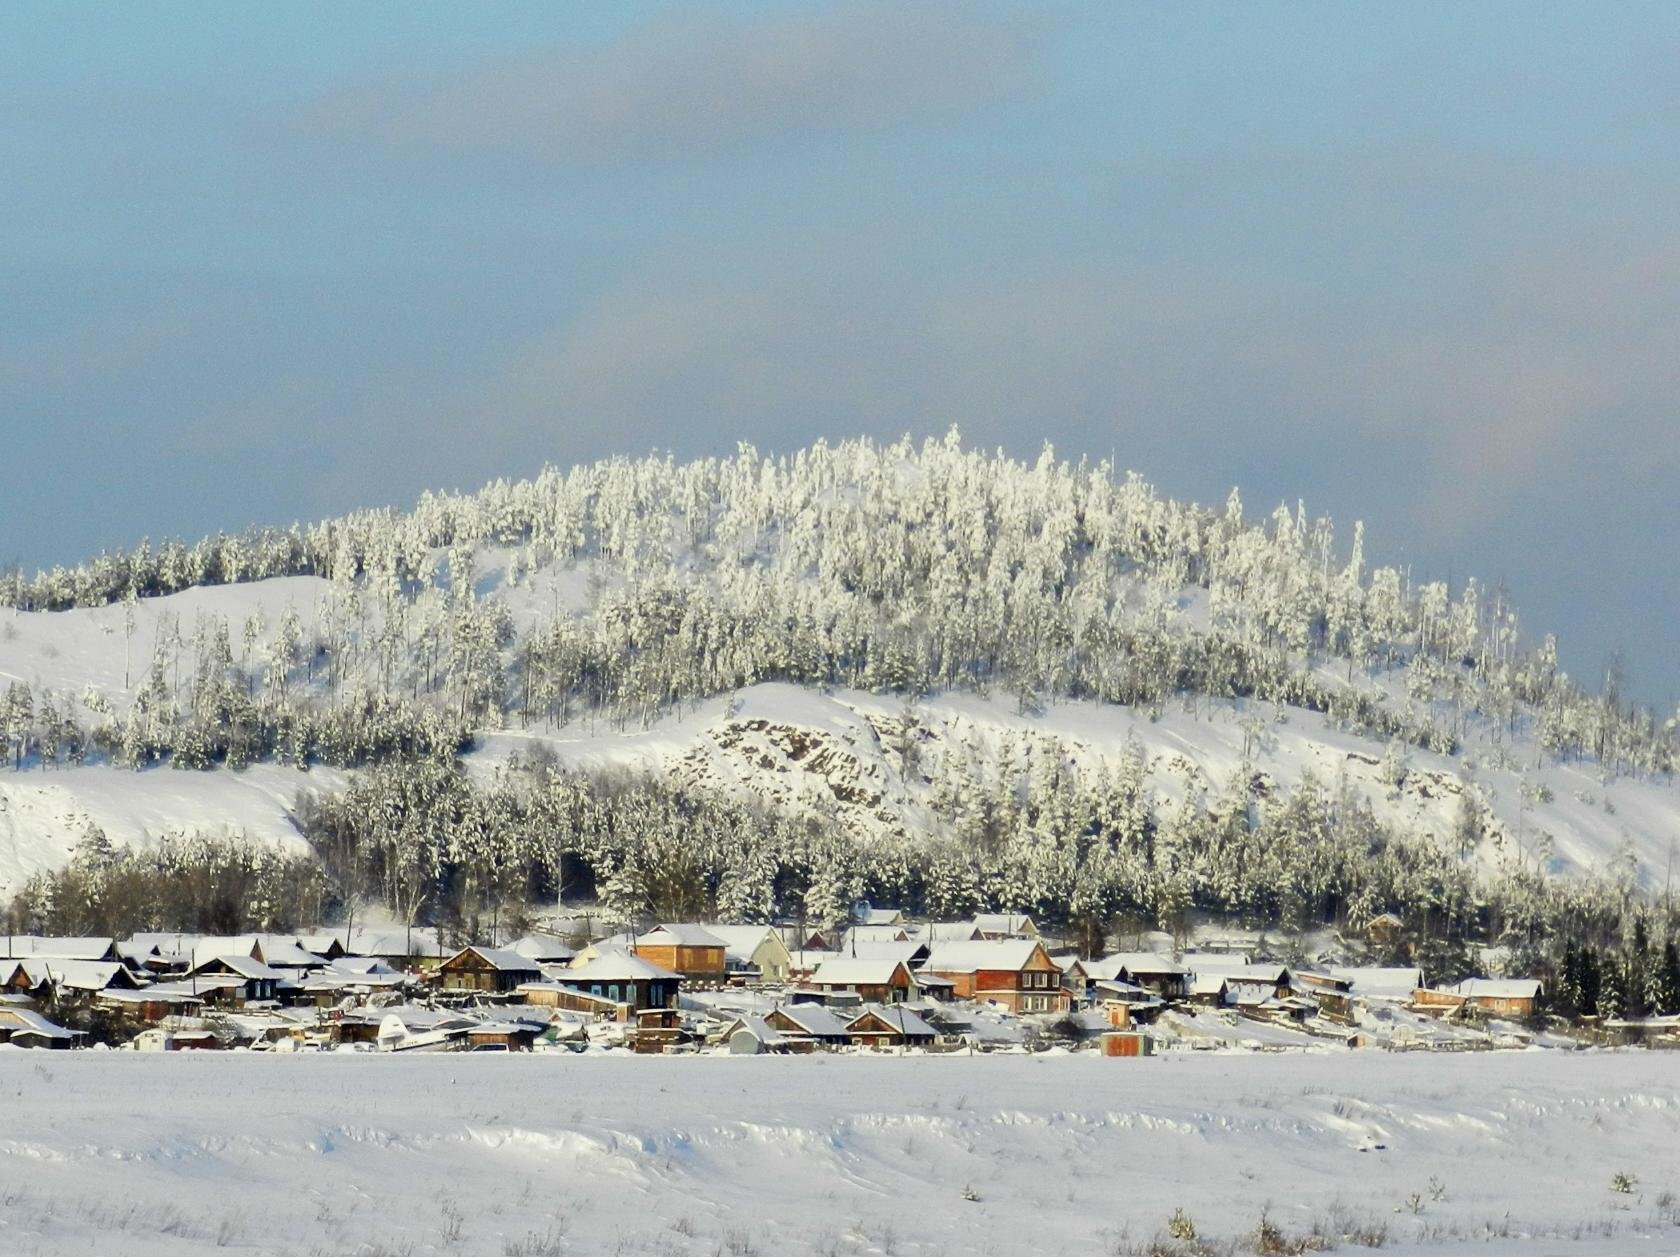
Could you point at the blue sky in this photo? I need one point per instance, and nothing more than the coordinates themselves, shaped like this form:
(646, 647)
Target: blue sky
(1415, 264)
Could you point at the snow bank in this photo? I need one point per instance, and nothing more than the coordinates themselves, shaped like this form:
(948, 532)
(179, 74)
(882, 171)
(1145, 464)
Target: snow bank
(1002, 1155)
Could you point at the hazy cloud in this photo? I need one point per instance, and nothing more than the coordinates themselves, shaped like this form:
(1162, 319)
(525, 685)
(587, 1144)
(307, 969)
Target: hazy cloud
(693, 82)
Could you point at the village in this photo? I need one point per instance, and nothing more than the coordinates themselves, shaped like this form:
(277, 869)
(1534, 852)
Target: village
(878, 983)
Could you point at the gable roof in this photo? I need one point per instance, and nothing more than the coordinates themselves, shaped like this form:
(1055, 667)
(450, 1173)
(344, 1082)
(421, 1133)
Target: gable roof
(538, 946)
(1393, 983)
(741, 942)
(679, 934)
(499, 958)
(244, 966)
(1004, 923)
(898, 1017)
(21, 946)
(613, 965)
(813, 1019)
(1498, 988)
(860, 971)
(28, 1022)
(976, 954)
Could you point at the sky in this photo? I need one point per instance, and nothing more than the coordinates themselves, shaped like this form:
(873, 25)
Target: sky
(1417, 265)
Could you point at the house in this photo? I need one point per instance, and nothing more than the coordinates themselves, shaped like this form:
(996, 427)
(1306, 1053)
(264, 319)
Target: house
(238, 979)
(504, 1034)
(885, 980)
(995, 925)
(754, 952)
(87, 976)
(1246, 982)
(1389, 985)
(912, 952)
(1500, 997)
(405, 947)
(149, 1004)
(1014, 973)
(1331, 993)
(1210, 989)
(889, 1026)
(1160, 975)
(691, 951)
(629, 983)
(859, 934)
(810, 1024)
(752, 1036)
(23, 1027)
(491, 969)
(1384, 930)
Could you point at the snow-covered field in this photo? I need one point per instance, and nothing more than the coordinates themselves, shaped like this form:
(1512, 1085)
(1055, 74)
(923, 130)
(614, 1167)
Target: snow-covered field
(1500, 1154)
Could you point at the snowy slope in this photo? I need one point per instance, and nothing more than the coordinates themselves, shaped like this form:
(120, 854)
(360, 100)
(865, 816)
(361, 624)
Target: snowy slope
(1496, 1154)
(44, 814)
(829, 753)
(825, 752)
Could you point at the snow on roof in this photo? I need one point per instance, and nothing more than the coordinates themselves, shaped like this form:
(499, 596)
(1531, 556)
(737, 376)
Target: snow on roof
(500, 958)
(898, 1017)
(741, 941)
(247, 968)
(874, 934)
(1498, 988)
(1236, 968)
(1381, 982)
(1004, 923)
(1134, 963)
(814, 1019)
(536, 946)
(971, 956)
(83, 975)
(46, 946)
(612, 965)
(884, 950)
(880, 916)
(858, 971)
(680, 934)
(1207, 983)
(760, 1029)
(27, 1021)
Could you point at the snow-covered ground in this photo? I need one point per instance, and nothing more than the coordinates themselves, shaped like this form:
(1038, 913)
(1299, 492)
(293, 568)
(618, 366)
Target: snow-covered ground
(1499, 1154)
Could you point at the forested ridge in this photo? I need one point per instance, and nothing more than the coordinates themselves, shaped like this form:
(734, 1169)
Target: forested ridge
(609, 596)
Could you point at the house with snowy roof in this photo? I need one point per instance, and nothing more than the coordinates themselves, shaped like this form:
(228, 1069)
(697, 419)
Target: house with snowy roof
(882, 980)
(23, 1027)
(490, 969)
(889, 1026)
(1500, 997)
(1013, 973)
(47, 947)
(811, 1023)
(687, 949)
(754, 952)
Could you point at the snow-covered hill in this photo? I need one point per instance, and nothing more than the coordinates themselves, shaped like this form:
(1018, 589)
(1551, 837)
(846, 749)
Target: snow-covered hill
(854, 633)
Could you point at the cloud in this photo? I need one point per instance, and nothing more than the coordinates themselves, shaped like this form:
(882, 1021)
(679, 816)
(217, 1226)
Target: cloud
(691, 82)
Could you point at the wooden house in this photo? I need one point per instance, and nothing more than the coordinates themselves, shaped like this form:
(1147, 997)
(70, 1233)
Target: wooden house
(627, 983)
(238, 979)
(811, 1024)
(1161, 976)
(889, 1026)
(23, 1027)
(491, 969)
(754, 953)
(1332, 993)
(1016, 974)
(885, 981)
(691, 951)
(1498, 997)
